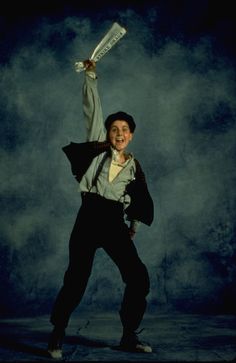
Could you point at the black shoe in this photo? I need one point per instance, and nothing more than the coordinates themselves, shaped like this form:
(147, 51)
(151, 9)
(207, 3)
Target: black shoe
(130, 342)
(55, 343)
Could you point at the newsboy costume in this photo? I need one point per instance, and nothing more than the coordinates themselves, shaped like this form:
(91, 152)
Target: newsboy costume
(111, 194)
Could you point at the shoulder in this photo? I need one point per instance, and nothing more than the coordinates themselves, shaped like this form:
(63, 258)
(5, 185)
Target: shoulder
(139, 171)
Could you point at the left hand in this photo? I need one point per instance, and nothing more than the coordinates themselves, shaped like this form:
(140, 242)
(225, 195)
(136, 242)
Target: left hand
(131, 233)
(90, 65)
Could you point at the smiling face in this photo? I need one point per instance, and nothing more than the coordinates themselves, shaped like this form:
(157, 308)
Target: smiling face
(119, 135)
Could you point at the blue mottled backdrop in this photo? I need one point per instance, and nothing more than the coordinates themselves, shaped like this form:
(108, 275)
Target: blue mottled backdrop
(174, 71)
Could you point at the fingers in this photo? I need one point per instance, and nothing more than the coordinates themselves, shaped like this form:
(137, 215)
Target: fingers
(89, 64)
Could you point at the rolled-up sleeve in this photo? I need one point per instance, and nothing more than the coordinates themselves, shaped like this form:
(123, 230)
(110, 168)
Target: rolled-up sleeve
(92, 109)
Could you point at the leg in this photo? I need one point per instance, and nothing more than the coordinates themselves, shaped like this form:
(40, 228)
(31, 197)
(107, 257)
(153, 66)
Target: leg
(75, 282)
(81, 255)
(134, 274)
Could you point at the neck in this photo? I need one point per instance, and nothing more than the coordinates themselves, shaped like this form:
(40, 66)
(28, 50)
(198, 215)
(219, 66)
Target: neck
(120, 155)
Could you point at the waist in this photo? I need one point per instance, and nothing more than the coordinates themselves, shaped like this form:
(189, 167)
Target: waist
(97, 202)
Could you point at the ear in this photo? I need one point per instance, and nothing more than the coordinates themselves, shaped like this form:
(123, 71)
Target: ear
(131, 136)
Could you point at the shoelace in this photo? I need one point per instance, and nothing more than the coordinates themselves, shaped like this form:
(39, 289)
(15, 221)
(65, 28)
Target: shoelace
(140, 331)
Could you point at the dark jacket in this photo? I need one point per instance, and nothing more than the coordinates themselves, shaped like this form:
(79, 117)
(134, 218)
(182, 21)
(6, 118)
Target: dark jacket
(81, 155)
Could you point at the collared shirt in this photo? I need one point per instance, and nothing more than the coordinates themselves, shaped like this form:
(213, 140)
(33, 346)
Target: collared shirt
(116, 166)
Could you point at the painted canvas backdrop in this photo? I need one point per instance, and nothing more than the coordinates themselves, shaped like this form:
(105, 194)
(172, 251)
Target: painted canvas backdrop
(174, 72)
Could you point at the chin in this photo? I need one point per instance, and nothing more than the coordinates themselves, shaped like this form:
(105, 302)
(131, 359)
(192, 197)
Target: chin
(119, 148)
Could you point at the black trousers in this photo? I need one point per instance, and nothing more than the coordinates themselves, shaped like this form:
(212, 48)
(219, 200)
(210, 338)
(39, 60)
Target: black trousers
(100, 223)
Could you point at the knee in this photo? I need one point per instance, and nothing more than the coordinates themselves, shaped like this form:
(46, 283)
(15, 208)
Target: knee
(144, 281)
(75, 275)
(139, 281)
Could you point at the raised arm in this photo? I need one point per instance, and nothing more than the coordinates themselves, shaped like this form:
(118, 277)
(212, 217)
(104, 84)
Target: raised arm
(92, 105)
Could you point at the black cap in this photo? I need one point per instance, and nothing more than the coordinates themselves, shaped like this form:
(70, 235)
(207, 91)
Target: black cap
(120, 116)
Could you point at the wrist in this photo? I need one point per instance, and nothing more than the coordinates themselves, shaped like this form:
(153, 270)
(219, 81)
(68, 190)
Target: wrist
(91, 74)
(134, 225)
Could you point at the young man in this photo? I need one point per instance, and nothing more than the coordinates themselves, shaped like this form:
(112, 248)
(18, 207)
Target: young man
(112, 187)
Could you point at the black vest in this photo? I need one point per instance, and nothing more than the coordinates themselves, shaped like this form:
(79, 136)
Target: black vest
(81, 155)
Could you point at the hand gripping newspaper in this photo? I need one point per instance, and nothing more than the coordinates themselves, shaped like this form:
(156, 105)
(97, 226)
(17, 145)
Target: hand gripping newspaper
(115, 33)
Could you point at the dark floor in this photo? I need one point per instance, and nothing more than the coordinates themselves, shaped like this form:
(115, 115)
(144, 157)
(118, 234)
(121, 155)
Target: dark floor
(94, 337)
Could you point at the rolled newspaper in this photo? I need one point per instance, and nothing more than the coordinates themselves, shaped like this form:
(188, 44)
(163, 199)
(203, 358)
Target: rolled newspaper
(115, 33)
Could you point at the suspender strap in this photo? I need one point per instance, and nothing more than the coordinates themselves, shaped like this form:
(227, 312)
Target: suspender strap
(99, 169)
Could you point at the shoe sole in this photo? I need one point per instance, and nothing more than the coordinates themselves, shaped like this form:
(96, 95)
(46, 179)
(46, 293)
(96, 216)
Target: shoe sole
(55, 354)
(137, 349)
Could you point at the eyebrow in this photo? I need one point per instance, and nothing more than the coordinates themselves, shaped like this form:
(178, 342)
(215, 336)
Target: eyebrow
(123, 127)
